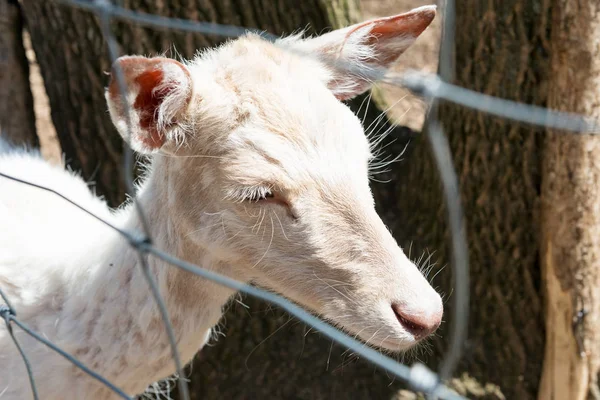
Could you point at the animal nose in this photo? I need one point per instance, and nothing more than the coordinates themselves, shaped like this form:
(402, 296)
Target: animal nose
(419, 326)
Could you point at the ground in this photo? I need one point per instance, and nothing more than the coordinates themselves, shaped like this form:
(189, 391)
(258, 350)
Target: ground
(407, 109)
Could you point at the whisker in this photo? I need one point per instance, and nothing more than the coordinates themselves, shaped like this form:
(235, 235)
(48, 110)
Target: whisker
(269, 246)
(367, 108)
(329, 285)
(329, 357)
(384, 113)
(436, 274)
(201, 229)
(281, 225)
(264, 340)
(380, 181)
(192, 156)
(362, 103)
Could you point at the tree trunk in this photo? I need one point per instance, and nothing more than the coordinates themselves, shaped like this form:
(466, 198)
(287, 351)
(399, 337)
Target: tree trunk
(17, 120)
(571, 211)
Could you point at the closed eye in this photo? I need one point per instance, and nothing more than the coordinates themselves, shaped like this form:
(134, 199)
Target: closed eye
(260, 196)
(256, 194)
(265, 195)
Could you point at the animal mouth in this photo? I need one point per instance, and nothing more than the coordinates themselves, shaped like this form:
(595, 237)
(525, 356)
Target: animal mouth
(416, 326)
(413, 328)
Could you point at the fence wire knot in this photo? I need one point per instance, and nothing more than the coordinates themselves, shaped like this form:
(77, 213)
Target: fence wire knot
(425, 85)
(6, 312)
(139, 241)
(422, 379)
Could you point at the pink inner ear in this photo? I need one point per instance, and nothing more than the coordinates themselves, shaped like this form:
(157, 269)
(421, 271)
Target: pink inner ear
(147, 102)
(410, 25)
(145, 74)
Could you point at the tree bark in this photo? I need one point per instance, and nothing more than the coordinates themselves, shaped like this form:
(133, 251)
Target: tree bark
(571, 211)
(17, 120)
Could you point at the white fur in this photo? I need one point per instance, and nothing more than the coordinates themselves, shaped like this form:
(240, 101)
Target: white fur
(259, 121)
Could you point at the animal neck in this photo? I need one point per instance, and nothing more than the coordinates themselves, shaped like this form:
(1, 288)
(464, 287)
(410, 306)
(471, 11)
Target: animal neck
(122, 331)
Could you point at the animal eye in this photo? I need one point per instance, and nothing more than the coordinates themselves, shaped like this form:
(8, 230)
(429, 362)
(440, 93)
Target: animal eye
(260, 195)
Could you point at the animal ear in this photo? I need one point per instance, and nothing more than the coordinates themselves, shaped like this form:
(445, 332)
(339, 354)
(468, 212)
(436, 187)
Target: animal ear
(375, 43)
(157, 91)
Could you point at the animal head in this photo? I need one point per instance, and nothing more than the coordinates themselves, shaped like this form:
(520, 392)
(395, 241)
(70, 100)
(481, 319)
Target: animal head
(267, 169)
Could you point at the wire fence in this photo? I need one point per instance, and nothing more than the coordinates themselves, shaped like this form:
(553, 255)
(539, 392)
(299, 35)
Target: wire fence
(435, 88)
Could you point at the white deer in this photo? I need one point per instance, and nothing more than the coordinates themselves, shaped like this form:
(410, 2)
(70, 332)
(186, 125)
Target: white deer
(258, 171)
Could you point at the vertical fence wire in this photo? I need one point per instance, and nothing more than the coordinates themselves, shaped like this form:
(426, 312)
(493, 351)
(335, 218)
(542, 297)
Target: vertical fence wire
(433, 87)
(7, 314)
(442, 155)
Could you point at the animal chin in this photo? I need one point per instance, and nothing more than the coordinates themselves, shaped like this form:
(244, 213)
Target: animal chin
(389, 344)
(384, 339)
(396, 343)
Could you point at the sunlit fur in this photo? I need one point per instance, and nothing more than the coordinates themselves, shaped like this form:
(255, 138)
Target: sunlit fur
(243, 120)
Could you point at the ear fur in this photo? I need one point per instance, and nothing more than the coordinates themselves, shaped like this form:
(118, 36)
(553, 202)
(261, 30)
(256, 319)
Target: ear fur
(374, 43)
(158, 91)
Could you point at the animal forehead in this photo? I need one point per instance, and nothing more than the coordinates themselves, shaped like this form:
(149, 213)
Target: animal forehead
(279, 87)
(329, 153)
(290, 117)
(302, 119)
(254, 54)
(251, 65)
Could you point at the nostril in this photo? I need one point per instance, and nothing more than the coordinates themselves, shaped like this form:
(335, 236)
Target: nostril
(412, 328)
(418, 326)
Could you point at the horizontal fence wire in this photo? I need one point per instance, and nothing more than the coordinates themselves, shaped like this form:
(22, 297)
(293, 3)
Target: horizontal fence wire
(431, 86)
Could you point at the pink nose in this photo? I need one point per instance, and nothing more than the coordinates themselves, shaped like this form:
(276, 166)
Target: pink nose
(419, 326)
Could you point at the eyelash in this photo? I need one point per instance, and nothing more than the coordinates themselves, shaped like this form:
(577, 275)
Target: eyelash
(260, 195)
(254, 194)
